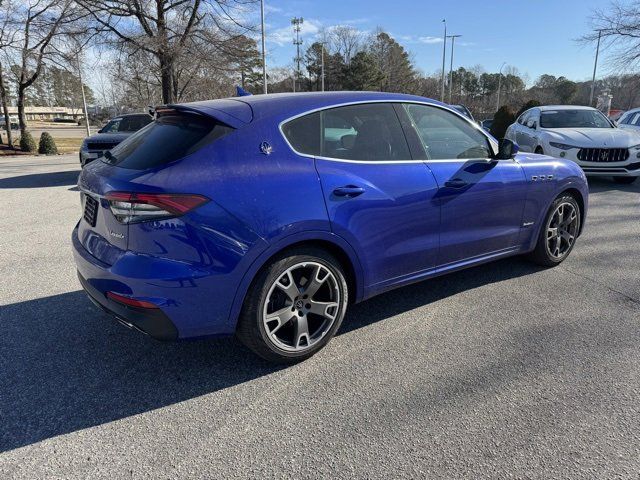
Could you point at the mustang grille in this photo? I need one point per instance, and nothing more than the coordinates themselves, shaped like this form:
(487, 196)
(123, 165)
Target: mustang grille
(101, 145)
(603, 154)
(90, 210)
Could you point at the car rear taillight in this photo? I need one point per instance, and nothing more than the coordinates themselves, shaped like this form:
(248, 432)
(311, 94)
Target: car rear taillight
(130, 207)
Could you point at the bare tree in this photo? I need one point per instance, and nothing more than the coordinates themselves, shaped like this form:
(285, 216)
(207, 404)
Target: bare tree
(165, 29)
(7, 40)
(619, 26)
(345, 40)
(36, 26)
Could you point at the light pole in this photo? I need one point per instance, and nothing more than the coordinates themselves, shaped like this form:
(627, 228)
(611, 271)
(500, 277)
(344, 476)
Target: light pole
(499, 85)
(264, 56)
(322, 65)
(595, 67)
(453, 39)
(84, 98)
(444, 56)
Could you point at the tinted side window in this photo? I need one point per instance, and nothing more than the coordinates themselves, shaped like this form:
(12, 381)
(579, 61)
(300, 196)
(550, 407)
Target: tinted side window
(303, 134)
(125, 125)
(137, 122)
(365, 132)
(167, 139)
(445, 135)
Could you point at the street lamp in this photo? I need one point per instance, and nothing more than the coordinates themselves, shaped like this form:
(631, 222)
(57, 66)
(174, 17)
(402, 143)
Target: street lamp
(84, 98)
(453, 39)
(322, 65)
(499, 84)
(444, 56)
(595, 67)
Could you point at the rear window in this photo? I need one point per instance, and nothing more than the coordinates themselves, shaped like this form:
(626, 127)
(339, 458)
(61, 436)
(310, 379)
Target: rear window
(165, 140)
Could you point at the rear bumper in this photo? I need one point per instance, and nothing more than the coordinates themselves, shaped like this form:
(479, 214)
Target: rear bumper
(192, 301)
(152, 322)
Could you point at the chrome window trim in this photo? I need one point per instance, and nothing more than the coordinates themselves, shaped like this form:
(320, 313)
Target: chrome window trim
(490, 140)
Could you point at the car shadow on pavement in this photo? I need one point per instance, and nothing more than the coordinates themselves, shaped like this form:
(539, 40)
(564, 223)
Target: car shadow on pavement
(40, 180)
(65, 366)
(605, 184)
(423, 293)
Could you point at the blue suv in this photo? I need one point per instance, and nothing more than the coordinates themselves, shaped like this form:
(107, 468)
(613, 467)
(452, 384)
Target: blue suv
(265, 216)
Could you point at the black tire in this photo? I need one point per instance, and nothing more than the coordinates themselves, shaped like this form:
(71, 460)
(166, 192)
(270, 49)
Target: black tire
(251, 329)
(541, 255)
(539, 151)
(624, 180)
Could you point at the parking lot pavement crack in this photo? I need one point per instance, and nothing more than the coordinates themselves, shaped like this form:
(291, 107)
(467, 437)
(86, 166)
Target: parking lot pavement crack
(602, 284)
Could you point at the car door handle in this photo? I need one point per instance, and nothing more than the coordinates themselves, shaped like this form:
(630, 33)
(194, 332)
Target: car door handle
(348, 191)
(455, 183)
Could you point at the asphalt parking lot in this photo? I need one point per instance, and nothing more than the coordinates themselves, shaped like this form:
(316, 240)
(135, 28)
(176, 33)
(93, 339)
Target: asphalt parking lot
(503, 371)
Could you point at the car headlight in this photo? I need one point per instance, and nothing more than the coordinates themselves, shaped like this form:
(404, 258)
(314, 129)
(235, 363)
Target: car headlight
(635, 147)
(562, 146)
(84, 147)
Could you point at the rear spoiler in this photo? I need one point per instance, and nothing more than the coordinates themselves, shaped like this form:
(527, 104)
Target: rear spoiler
(219, 115)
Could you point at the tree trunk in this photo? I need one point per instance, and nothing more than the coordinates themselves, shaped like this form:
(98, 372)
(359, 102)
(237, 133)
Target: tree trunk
(166, 78)
(5, 108)
(22, 119)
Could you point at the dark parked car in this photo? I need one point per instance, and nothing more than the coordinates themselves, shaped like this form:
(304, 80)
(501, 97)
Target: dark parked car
(114, 132)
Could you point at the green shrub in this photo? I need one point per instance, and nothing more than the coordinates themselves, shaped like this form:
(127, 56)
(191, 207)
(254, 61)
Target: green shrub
(47, 145)
(501, 121)
(527, 106)
(27, 143)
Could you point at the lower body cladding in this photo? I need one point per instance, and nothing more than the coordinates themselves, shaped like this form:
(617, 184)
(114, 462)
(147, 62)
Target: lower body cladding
(163, 298)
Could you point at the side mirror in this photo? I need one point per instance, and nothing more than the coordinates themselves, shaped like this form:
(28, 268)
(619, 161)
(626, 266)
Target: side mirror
(507, 149)
(531, 124)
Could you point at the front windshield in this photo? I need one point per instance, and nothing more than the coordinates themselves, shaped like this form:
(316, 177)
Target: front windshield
(573, 119)
(112, 126)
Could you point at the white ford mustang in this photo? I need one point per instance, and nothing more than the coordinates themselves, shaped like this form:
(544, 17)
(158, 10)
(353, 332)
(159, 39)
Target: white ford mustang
(581, 134)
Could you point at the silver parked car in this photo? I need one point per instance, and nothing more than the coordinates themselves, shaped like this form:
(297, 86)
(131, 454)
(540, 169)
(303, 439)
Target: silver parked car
(630, 120)
(114, 132)
(581, 134)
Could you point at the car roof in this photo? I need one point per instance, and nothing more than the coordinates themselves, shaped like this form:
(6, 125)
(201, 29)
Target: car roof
(564, 107)
(142, 114)
(285, 105)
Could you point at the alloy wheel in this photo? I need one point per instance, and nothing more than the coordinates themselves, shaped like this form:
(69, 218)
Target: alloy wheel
(562, 229)
(301, 306)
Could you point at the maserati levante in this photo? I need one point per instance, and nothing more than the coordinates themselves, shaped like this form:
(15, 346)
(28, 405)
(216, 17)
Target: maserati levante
(266, 216)
(583, 135)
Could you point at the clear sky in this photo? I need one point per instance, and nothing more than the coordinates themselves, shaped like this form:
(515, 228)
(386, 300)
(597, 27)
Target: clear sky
(535, 36)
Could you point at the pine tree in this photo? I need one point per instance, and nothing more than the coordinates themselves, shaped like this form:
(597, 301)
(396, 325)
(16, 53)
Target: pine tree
(27, 143)
(501, 121)
(47, 145)
(362, 73)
